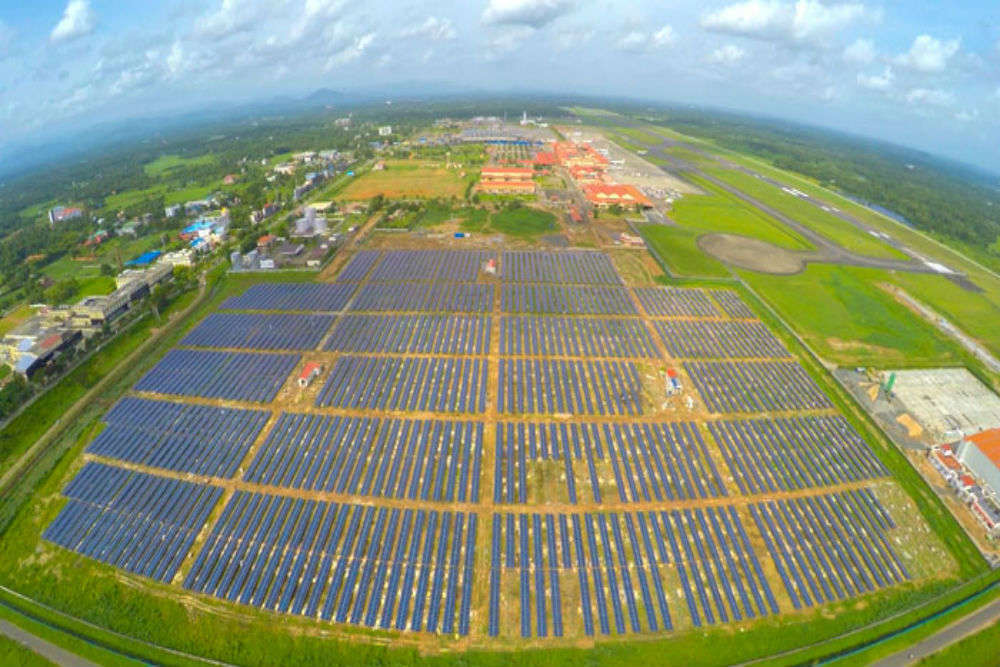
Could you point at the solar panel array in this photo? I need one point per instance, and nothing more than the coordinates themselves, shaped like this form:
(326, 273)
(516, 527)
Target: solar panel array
(199, 439)
(379, 568)
(292, 296)
(356, 500)
(138, 522)
(384, 458)
(262, 332)
(237, 376)
(412, 334)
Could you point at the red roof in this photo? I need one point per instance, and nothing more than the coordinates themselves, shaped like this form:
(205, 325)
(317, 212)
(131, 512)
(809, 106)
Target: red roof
(52, 341)
(671, 373)
(309, 368)
(947, 461)
(600, 193)
(988, 442)
(265, 239)
(519, 171)
(967, 480)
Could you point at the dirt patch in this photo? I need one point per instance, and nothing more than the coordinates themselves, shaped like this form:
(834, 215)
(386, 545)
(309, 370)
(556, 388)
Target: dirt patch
(753, 254)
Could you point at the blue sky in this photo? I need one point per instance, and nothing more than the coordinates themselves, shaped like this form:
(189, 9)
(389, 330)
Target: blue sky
(925, 74)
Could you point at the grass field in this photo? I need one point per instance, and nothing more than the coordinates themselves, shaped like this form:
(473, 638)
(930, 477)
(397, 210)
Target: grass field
(13, 653)
(15, 317)
(979, 650)
(165, 164)
(522, 222)
(407, 179)
(850, 321)
(678, 248)
(718, 211)
(827, 224)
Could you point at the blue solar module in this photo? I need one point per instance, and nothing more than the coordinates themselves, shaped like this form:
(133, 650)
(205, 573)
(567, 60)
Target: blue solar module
(650, 461)
(435, 297)
(293, 296)
(237, 376)
(262, 332)
(565, 266)
(431, 265)
(566, 299)
(710, 339)
(829, 547)
(406, 383)
(676, 302)
(575, 337)
(755, 386)
(358, 267)
(386, 458)
(200, 439)
(412, 334)
(794, 453)
(732, 304)
(341, 562)
(530, 386)
(138, 522)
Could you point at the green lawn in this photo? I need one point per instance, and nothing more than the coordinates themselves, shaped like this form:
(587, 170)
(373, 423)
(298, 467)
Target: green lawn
(718, 211)
(827, 224)
(15, 654)
(678, 248)
(163, 165)
(840, 312)
(523, 221)
(16, 316)
(981, 649)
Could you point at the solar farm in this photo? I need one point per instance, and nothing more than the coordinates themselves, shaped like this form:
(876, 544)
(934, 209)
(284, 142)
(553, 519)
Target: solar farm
(526, 454)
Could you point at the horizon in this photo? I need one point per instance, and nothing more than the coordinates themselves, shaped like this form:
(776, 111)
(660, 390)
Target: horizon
(921, 77)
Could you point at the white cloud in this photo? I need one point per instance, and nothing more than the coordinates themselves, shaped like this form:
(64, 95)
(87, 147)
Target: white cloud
(932, 97)
(231, 17)
(804, 21)
(77, 20)
(432, 28)
(928, 54)
(638, 41)
(665, 36)
(879, 82)
(573, 38)
(730, 54)
(352, 52)
(534, 13)
(508, 40)
(860, 52)
(967, 115)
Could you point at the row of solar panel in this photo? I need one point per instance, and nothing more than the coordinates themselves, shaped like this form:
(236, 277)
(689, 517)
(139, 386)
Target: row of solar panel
(376, 567)
(199, 439)
(138, 522)
(575, 336)
(458, 266)
(648, 461)
(829, 547)
(412, 334)
(533, 386)
(712, 339)
(708, 548)
(262, 332)
(387, 458)
(406, 383)
(766, 455)
(565, 267)
(755, 386)
(238, 376)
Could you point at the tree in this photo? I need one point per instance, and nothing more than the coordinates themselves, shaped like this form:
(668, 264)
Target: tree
(107, 270)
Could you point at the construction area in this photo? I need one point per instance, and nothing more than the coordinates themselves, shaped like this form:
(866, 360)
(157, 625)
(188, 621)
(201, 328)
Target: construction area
(945, 420)
(460, 448)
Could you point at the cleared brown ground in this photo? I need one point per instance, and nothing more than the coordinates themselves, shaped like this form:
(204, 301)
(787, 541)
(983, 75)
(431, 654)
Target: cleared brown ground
(753, 254)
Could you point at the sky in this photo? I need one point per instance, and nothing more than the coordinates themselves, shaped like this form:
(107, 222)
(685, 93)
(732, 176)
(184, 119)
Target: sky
(920, 73)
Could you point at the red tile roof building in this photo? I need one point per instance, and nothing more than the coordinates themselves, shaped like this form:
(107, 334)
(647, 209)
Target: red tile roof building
(609, 195)
(506, 180)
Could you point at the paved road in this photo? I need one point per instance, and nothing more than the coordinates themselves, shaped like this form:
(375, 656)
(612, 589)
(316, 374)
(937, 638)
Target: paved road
(44, 648)
(948, 635)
